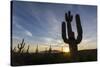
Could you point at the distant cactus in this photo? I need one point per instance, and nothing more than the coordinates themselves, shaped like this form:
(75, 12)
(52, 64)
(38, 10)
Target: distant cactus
(45, 49)
(71, 40)
(62, 48)
(21, 46)
(27, 51)
(50, 49)
(13, 50)
(37, 50)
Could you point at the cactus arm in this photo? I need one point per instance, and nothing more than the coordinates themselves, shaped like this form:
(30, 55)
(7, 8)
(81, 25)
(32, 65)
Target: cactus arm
(68, 17)
(64, 33)
(79, 29)
(27, 49)
(18, 46)
(23, 45)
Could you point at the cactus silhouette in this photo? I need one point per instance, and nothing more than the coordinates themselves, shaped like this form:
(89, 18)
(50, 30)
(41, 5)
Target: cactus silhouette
(45, 49)
(71, 40)
(13, 50)
(62, 48)
(36, 49)
(21, 46)
(27, 51)
(50, 49)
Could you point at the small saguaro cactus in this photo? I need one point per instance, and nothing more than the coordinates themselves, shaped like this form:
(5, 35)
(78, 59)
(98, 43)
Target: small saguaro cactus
(21, 46)
(71, 40)
(36, 49)
(50, 49)
(27, 51)
(45, 49)
(62, 48)
(13, 50)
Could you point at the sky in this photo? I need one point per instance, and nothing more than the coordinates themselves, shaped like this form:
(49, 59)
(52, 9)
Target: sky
(40, 24)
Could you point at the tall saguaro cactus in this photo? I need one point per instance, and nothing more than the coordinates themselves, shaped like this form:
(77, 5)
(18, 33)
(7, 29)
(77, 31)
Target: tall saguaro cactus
(71, 40)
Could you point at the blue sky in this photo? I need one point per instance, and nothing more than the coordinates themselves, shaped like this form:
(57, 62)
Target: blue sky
(40, 23)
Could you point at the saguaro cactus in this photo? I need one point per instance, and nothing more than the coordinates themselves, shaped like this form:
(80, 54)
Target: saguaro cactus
(71, 40)
(62, 48)
(36, 49)
(21, 46)
(27, 51)
(13, 50)
(50, 49)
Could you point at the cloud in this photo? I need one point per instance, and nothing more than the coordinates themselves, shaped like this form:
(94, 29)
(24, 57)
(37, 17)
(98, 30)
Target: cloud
(23, 30)
(52, 41)
(28, 33)
(16, 37)
(19, 26)
(47, 40)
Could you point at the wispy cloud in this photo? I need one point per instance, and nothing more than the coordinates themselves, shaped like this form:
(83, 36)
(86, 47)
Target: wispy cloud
(28, 33)
(23, 30)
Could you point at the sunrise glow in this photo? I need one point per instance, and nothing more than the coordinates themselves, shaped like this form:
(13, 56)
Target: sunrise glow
(66, 50)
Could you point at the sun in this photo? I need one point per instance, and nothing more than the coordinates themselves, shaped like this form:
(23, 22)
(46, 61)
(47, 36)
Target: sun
(66, 50)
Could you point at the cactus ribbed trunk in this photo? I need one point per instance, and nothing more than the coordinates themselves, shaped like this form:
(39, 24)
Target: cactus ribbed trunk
(73, 52)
